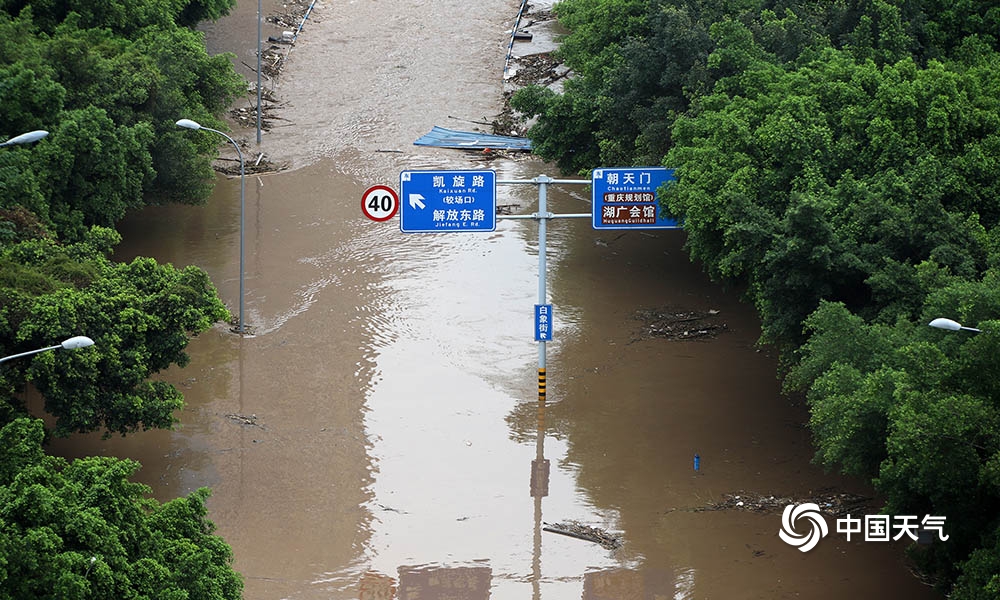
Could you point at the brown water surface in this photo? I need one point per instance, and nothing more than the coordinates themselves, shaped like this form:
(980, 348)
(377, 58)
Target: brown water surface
(376, 436)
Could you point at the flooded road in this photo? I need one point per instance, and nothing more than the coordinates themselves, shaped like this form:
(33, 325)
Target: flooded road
(380, 434)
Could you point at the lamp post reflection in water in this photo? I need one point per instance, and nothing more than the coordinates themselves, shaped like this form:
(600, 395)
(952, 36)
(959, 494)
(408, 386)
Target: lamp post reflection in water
(539, 488)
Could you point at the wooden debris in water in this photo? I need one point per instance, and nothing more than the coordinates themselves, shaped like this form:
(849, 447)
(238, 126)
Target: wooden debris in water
(250, 421)
(680, 324)
(604, 538)
(831, 502)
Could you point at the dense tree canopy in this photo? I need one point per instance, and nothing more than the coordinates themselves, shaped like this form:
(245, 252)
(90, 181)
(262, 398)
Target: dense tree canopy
(139, 314)
(637, 64)
(108, 82)
(82, 530)
(835, 178)
(842, 160)
(107, 79)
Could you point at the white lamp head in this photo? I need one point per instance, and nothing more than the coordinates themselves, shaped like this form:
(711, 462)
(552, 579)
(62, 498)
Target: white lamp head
(188, 124)
(942, 323)
(27, 138)
(80, 341)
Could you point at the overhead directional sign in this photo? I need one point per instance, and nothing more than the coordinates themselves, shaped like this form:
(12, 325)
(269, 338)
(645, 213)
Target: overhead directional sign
(626, 198)
(443, 201)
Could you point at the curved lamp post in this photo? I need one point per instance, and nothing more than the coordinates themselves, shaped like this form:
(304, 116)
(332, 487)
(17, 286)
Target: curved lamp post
(948, 324)
(73, 343)
(189, 124)
(26, 138)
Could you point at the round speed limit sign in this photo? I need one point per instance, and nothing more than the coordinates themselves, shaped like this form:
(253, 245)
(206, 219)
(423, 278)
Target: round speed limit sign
(380, 203)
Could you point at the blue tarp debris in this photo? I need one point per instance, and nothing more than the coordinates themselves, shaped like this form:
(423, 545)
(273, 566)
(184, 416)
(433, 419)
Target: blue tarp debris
(471, 140)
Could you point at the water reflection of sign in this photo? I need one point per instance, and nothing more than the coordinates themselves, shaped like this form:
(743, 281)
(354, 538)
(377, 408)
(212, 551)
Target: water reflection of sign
(445, 583)
(626, 584)
(376, 586)
(626, 198)
(539, 478)
(543, 322)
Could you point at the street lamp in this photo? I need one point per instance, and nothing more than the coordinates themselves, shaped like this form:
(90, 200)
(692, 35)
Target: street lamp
(189, 124)
(73, 343)
(26, 138)
(948, 324)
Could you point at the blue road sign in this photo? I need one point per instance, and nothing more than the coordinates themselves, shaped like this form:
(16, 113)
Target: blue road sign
(626, 198)
(543, 322)
(443, 201)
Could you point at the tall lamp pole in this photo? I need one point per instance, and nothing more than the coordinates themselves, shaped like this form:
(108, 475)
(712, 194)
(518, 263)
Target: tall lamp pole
(73, 343)
(189, 124)
(258, 70)
(26, 138)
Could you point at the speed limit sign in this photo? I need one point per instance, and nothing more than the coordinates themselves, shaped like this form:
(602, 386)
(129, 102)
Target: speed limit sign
(380, 203)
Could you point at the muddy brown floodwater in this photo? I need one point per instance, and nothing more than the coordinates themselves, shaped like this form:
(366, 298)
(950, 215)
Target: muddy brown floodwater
(377, 436)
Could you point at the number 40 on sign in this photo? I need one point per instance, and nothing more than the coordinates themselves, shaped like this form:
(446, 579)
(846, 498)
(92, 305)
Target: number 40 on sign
(380, 203)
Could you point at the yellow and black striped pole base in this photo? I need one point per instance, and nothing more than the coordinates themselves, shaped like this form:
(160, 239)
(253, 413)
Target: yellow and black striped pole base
(541, 384)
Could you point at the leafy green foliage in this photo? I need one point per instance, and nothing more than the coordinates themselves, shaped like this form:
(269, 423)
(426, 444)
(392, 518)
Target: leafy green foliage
(140, 316)
(107, 81)
(914, 409)
(980, 578)
(119, 16)
(840, 159)
(835, 179)
(637, 64)
(82, 530)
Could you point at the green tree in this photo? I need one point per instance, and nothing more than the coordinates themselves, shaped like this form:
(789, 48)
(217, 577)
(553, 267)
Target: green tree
(94, 171)
(914, 410)
(83, 530)
(123, 17)
(140, 315)
(637, 64)
(840, 159)
(110, 103)
(835, 179)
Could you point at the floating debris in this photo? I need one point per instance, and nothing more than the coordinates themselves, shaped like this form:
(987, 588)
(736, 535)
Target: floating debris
(604, 538)
(272, 58)
(833, 503)
(441, 137)
(541, 69)
(250, 421)
(674, 324)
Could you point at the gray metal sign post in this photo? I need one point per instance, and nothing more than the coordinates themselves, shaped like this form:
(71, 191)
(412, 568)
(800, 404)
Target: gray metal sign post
(542, 216)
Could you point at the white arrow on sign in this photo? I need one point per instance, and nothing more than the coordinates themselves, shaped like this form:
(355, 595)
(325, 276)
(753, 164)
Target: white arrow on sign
(416, 201)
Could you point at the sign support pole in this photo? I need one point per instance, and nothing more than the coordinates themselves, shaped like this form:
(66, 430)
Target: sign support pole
(542, 216)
